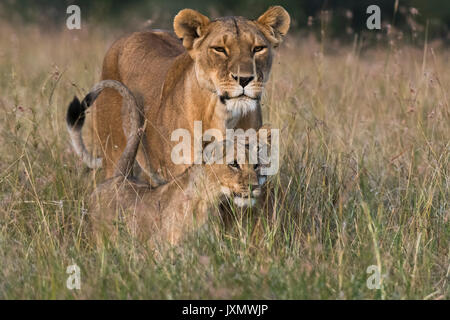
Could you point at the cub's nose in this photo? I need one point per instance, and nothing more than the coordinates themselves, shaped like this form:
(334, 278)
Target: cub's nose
(243, 81)
(256, 192)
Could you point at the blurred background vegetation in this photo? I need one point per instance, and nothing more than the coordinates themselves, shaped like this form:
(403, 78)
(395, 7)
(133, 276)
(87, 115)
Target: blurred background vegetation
(364, 165)
(410, 20)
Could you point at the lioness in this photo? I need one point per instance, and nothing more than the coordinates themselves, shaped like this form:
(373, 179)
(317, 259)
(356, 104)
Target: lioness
(167, 212)
(216, 75)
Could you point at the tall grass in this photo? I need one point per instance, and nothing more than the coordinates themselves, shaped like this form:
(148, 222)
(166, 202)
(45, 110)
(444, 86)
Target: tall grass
(364, 180)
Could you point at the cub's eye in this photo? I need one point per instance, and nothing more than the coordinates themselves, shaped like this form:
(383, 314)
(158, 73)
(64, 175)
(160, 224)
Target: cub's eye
(256, 166)
(259, 48)
(219, 49)
(234, 165)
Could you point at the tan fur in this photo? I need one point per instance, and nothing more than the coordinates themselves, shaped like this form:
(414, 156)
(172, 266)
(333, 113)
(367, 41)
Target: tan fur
(181, 82)
(169, 212)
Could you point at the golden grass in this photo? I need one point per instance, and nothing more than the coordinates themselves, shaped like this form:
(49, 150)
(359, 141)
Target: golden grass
(364, 180)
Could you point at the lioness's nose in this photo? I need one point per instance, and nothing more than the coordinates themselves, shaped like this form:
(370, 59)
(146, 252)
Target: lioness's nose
(243, 81)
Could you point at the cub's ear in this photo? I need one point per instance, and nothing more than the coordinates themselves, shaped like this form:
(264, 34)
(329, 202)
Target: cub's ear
(265, 133)
(275, 24)
(188, 25)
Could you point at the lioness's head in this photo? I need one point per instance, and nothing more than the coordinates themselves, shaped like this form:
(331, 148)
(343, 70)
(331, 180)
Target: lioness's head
(233, 55)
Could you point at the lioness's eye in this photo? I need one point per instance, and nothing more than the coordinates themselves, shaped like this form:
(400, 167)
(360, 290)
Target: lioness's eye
(219, 49)
(258, 48)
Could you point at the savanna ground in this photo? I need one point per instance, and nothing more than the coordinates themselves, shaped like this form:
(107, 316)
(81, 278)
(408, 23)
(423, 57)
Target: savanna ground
(364, 180)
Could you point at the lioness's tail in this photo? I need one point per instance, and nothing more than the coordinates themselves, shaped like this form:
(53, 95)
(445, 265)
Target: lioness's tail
(76, 114)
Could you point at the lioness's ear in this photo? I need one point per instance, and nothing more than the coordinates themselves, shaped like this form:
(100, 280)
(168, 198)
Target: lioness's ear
(275, 22)
(188, 25)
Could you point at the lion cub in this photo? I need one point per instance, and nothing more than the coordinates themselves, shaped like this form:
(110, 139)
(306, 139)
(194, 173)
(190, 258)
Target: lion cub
(168, 212)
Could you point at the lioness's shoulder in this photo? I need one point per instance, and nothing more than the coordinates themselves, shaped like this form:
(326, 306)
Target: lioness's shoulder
(141, 48)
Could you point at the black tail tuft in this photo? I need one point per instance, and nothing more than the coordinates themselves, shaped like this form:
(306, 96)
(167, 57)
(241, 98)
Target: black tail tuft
(75, 114)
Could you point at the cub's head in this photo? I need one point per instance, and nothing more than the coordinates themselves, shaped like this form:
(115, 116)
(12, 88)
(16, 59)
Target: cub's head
(235, 166)
(233, 55)
(238, 181)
